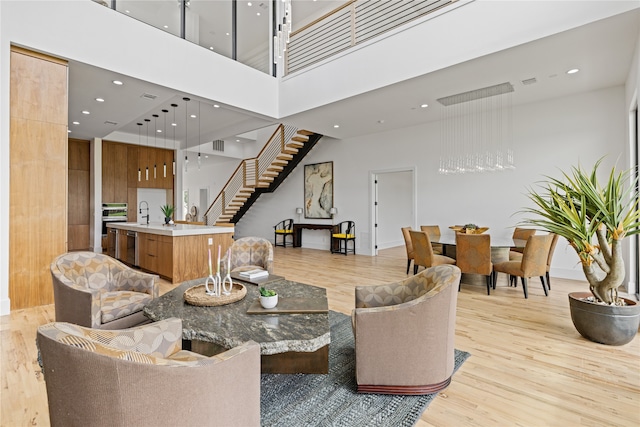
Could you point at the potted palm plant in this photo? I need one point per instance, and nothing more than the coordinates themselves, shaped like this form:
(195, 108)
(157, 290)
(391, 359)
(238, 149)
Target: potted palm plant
(167, 210)
(594, 219)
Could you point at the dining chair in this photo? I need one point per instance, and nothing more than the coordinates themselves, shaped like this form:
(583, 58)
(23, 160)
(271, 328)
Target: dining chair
(423, 252)
(516, 256)
(533, 263)
(433, 231)
(473, 256)
(408, 245)
(346, 232)
(284, 229)
(520, 234)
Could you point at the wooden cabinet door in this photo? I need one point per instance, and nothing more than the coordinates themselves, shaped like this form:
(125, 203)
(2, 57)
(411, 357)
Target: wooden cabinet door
(143, 165)
(120, 183)
(108, 172)
(165, 256)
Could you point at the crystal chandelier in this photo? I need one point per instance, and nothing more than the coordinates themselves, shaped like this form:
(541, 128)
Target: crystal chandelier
(476, 131)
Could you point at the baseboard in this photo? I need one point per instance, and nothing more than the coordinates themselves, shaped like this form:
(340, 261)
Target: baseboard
(5, 306)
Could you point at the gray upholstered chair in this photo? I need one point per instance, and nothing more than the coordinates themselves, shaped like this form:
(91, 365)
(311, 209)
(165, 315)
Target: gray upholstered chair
(249, 253)
(97, 291)
(404, 333)
(533, 262)
(142, 377)
(423, 252)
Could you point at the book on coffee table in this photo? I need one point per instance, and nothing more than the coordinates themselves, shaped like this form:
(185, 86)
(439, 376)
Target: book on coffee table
(260, 281)
(254, 274)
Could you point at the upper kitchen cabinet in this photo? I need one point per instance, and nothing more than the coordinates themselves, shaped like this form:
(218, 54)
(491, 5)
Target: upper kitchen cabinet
(114, 172)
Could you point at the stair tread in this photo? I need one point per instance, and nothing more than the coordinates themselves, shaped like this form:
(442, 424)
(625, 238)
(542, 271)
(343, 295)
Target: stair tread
(300, 139)
(305, 132)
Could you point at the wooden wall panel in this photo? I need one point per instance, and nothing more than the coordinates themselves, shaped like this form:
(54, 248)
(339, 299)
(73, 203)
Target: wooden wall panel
(78, 211)
(190, 254)
(120, 173)
(38, 176)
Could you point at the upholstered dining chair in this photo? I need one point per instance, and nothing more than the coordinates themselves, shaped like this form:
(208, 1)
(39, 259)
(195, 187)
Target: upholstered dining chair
(473, 256)
(404, 333)
(515, 256)
(520, 234)
(423, 252)
(433, 231)
(116, 378)
(100, 292)
(533, 263)
(346, 232)
(408, 245)
(283, 229)
(248, 253)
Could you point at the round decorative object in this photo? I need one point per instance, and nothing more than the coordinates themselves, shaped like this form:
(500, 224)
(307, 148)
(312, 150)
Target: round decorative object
(269, 302)
(194, 212)
(196, 295)
(605, 324)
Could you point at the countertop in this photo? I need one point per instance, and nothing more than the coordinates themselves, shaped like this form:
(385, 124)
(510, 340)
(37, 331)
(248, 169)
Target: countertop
(171, 230)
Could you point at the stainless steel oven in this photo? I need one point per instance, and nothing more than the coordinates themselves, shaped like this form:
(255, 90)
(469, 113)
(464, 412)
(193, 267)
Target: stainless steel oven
(113, 212)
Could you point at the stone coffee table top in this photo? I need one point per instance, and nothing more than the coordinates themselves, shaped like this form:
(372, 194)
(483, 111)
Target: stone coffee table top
(230, 325)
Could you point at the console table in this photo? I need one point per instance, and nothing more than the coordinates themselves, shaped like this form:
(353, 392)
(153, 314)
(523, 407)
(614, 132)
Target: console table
(297, 231)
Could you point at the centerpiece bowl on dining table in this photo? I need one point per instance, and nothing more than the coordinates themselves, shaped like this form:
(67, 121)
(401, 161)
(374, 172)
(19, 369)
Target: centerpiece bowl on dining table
(468, 230)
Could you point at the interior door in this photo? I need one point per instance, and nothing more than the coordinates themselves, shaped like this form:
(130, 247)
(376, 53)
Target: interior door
(393, 207)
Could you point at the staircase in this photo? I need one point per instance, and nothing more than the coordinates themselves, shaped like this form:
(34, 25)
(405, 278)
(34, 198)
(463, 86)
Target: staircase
(261, 174)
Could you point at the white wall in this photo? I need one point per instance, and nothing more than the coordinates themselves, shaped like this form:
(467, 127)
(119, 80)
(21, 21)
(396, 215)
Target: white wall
(548, 136)
(212, 176)
(395, 207)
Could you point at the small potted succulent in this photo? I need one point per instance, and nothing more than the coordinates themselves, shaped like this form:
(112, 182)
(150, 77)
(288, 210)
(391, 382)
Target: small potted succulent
(268, 297)
(167, 210)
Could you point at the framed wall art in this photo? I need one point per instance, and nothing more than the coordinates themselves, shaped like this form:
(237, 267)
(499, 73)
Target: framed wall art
(318, 190)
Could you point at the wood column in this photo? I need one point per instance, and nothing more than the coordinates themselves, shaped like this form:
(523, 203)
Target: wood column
(38, 174)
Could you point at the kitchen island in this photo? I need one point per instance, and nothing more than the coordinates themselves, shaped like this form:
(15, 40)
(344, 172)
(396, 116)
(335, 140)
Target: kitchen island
(176, 252)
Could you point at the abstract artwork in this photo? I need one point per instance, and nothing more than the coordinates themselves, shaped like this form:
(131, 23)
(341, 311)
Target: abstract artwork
(318, 190)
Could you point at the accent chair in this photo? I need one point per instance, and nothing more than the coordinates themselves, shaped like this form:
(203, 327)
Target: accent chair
(408, 245)
(346, 232)
(142, 377)
(433, 231)
(283, 229)
(97, 291)
(249, 253)
(404, 333)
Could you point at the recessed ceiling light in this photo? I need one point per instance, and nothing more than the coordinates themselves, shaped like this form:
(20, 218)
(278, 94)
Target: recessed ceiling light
(227, 33)
(210, 47)
(85, 112)
(237, 140)
(424, 105)
(126, 11)
(174, 124)
(249, 4)
(165, 26)
(216, 106)
(76, 123)
(117, 82)
(193, 116)
(206, 156)
(258, 13)
(336, 126)
(99, 99)
(573, 71)
(159, 130)
(68, 131)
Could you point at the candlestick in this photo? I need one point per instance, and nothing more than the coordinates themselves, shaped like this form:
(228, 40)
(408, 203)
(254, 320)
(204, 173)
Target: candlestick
(210, 272)
(228, 260)
(218, 266)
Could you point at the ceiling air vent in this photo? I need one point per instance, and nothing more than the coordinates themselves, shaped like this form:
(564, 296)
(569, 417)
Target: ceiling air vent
(148, 96)
(109, 122)
(472, 95)
(218, 145)
(529, 81)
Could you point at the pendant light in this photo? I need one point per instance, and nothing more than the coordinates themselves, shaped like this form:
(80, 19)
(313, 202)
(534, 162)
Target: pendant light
(164, 167)
(199, 157)
(146, 173)
(173, 125)
(139, 143)
(155, 133)
(186, 129)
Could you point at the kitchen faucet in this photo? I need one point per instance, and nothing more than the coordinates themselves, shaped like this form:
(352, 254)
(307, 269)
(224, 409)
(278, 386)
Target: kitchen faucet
(147, 208)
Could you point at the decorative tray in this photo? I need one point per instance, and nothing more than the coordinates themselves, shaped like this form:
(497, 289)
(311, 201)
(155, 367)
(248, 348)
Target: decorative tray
(196, 295)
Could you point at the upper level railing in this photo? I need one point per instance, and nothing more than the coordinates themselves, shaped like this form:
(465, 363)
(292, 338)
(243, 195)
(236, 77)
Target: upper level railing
(351, 24)
(248, 174)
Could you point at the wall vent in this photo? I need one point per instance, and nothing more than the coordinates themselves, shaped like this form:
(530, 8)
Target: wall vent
(218, 145)
(109, 122)
(472, 95)
(529, 81)
(148, 96)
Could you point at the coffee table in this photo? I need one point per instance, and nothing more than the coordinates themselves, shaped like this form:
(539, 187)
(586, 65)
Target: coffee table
(289, 343)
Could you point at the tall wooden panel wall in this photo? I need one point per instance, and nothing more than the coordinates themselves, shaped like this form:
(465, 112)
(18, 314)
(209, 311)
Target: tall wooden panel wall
(79, 195)
(38, 187)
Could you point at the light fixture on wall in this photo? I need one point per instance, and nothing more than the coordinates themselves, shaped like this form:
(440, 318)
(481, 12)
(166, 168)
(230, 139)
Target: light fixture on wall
(174, 125)
(299, 212)
(186, 131)
(139, 143)
(333, 211)
(146, 173)
(282, 33)
(164, 167)
(476, 131)
(155, 145)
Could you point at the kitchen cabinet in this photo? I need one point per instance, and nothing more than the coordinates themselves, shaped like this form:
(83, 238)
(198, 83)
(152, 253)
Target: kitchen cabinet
(111, 242)
(165, 256)
(148, 251)
(121, 243)
(114, 172)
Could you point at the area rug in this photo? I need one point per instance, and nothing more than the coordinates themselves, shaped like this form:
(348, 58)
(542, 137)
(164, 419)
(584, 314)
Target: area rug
(331, 399)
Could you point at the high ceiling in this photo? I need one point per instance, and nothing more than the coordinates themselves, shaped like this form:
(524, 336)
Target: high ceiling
(603, 52)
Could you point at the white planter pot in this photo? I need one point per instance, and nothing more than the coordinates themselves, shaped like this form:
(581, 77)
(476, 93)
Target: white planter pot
(268, 302)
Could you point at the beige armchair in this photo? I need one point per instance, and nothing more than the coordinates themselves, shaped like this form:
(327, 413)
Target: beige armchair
(404, 333)
(141, 377)
(97, 291)
(249, 253)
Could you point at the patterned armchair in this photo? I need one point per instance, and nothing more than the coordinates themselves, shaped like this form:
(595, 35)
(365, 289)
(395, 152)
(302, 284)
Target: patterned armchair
(249, 253)
(420, 311)
(114, 378)
(97, 291)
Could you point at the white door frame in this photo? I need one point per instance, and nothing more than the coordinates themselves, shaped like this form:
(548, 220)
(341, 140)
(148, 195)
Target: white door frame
(373, 175)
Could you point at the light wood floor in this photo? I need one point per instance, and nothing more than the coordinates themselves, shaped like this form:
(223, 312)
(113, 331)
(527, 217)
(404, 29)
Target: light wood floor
(528, 365)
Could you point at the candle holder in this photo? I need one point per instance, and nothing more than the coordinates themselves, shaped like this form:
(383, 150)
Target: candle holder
(215, 292)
